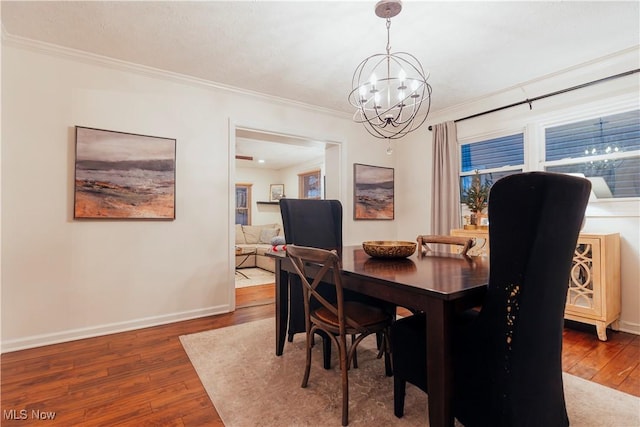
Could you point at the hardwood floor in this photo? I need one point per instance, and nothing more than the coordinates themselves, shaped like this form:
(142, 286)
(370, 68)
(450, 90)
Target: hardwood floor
(255, 295)
(144, 377)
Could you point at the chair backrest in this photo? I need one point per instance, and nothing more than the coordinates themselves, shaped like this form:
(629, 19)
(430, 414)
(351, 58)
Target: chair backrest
(314, 223)
(424, 239)
(535, 221)
(312, 265)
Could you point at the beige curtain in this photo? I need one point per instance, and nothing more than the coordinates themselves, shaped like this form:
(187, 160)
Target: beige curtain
(445, 207)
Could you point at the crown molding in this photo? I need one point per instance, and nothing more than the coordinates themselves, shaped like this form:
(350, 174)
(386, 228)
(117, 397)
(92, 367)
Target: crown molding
(120, 65)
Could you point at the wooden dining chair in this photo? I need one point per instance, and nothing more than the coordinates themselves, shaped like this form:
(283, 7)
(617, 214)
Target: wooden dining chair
(338, 318)
(507, 358)
(423, 240)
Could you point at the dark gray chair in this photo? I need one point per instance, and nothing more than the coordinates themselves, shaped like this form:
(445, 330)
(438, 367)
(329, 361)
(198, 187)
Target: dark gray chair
(314, 223)
(507, 357)
(317, 224)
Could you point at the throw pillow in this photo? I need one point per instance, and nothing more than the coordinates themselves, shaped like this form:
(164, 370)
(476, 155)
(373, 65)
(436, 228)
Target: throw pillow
(239, 235)
(251, 233)
(267, 234)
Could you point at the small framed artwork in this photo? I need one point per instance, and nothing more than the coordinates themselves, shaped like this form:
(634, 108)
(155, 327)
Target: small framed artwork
(124, 176)
(373, 192)
(276, 192)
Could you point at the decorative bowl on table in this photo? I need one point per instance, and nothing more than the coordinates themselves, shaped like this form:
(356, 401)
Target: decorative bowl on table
(389, 248)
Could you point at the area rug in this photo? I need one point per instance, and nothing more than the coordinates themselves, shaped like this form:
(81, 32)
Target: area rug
(253, 277)
(250, 386)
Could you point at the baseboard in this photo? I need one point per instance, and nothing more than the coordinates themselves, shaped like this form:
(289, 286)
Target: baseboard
(106, 329)
(630, 327)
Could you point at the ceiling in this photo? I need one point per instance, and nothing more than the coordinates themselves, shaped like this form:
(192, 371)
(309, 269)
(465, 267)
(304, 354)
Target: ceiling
(275, 151)
(306, 51)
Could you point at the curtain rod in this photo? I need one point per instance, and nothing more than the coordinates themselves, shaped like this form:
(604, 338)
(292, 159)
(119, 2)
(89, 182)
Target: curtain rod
(537, 98)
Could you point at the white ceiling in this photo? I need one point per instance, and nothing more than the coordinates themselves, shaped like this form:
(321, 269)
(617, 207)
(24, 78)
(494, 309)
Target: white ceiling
(276, 151)
(306, 51)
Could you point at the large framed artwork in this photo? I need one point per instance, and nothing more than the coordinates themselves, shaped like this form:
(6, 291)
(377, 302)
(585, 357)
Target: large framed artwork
(123, 175)
(373, 192)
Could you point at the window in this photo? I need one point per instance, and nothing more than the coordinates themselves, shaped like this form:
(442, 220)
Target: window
(309, 185)
(605, 150)
(243, 204)
(492, 158)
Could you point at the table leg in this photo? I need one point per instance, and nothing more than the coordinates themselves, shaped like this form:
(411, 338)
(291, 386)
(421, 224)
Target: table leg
(439, 316)
(282, 306)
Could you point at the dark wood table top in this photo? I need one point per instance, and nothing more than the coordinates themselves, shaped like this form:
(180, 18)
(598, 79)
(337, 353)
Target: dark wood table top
(441, 275)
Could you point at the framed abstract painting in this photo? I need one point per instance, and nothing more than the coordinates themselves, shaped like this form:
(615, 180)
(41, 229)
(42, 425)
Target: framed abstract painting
(373, 192)
(122, 175)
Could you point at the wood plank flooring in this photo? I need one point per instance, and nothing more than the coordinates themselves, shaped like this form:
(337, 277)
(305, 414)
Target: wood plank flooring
(144, 377)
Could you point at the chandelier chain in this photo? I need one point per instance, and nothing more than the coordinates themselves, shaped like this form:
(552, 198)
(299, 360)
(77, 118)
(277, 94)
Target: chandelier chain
(388, 35)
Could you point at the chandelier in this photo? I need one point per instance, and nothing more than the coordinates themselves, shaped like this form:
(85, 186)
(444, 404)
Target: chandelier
(388, 89)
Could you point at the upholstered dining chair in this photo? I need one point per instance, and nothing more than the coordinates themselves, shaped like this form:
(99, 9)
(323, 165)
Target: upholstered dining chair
(507, 358)
(337, 317)
(314, 223)
(318, 224)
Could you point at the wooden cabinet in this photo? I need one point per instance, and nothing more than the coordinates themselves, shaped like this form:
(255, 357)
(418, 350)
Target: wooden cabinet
(594, 285)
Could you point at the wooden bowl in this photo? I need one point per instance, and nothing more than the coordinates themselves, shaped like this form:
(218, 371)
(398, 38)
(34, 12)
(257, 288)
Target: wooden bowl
(389, 248)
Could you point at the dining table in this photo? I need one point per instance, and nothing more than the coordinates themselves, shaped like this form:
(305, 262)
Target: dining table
(438, 284)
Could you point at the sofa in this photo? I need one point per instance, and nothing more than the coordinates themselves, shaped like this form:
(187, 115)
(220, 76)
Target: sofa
(252, 244)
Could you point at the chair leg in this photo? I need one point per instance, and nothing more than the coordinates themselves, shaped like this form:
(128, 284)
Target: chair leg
(388, 370)
(326, 351)
(398, 396)
(307, 368)
(355, 352)
(344, 368)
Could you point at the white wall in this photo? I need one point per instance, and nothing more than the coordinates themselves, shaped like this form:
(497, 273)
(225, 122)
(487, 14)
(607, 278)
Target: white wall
(261, 179)
(414, 154)
(64, 279)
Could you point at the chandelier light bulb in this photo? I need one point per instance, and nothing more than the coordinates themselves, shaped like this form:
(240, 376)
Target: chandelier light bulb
(402, 76)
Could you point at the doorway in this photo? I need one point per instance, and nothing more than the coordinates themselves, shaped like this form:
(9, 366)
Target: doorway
(263, 159)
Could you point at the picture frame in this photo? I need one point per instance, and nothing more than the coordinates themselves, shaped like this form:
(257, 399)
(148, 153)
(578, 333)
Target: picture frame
(373, 192)
(276, 192)
(121, 175)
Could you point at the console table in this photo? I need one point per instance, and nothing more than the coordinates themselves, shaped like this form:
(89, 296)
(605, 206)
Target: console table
(594, 285)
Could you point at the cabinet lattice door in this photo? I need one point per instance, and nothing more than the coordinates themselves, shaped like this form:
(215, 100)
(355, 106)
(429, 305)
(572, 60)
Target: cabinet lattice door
(593, 296)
